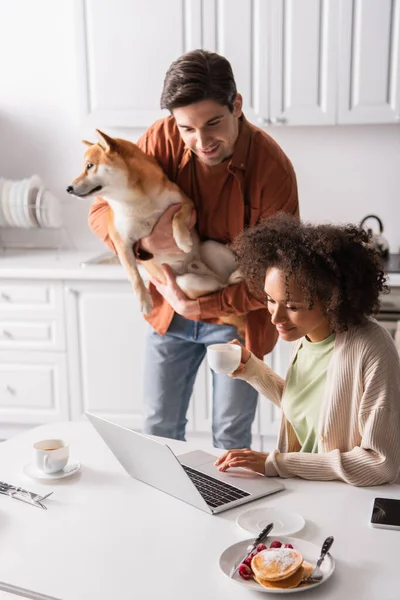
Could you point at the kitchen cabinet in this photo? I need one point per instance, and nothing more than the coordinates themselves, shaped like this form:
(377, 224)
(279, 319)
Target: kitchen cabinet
(33, 365)
(369, 62)
(315, 62)
(303, 50)
(124, 50)
(106, 336)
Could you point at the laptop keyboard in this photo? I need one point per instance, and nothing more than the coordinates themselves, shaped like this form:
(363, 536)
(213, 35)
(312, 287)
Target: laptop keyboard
(215, 492)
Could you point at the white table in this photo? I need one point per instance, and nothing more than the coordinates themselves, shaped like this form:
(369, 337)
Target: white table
(107, 536)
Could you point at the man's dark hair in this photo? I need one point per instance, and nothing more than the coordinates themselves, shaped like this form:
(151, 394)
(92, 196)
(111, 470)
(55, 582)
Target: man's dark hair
(335, 264)
(199, 75)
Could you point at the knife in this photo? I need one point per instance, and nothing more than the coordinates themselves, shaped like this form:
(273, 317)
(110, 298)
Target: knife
(260, 538)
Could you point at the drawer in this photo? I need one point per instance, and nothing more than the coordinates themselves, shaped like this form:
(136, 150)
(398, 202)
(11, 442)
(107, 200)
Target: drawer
(33, 388)
(30, 298)
(43, 334)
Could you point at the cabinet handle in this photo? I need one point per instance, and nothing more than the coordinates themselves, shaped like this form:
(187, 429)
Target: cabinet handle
(6, 334)
(9, 390)
(282, 120)
(71, 290)
(264, 122)
(5, 297)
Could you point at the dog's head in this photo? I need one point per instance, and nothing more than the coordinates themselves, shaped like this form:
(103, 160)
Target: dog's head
(105, 170)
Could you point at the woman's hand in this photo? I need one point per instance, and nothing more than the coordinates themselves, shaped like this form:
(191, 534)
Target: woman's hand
(175, 296)
(250, 459)
(161, 240)
(244, 358)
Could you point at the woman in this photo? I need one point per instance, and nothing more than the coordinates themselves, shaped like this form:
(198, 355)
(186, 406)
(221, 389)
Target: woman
(340, 400)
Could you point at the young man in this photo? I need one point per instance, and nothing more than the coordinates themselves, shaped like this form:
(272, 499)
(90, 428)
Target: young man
(236, 175)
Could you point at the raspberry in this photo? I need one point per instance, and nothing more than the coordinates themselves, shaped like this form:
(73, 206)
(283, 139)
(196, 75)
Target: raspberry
(245, 571)
(261, 547)
(247, 561)
(276, 544)
(288, 546)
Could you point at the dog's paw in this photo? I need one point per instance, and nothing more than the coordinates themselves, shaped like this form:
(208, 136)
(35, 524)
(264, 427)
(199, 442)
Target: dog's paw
(235, 277)
(185, 243)
(146, 303)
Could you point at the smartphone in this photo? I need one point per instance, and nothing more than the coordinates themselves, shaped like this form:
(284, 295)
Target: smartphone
(386, 513)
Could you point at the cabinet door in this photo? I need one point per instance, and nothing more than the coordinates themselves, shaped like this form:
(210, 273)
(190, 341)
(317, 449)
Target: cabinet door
(125, 49)
(239, 30)
(33, 387)
(303, 61)
(105, 336)
(369, 69)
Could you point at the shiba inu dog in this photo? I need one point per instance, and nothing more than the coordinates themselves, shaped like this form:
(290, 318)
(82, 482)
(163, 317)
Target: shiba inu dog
(138, 192)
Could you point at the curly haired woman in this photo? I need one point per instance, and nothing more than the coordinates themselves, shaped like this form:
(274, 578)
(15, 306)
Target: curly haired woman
(341, 398)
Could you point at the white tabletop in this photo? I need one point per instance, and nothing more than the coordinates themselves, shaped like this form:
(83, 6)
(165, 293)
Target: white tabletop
(107, 536)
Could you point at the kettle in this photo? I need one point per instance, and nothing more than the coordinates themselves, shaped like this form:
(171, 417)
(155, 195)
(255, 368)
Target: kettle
(378, 240)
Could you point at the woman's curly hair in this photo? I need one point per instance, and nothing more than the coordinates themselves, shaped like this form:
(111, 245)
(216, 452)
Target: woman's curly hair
(335, 264)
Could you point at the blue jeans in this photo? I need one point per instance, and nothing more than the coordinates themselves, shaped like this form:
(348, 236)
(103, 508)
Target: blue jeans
(171, 365)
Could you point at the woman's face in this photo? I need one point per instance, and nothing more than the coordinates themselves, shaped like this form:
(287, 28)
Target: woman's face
(293, 318)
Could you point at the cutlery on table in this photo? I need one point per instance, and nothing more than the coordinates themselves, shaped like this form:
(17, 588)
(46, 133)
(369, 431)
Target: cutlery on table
(259, 539)
(23, 495)
(317, 574)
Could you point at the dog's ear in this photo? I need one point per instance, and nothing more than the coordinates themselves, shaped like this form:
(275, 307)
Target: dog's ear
(108, 143)
(87, 143)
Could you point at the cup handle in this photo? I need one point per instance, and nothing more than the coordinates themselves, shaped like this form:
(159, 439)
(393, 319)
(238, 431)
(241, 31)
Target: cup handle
(46, 465)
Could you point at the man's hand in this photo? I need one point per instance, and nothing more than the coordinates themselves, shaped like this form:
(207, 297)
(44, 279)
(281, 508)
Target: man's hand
(161, 240)
(250, 459)
(174, 295)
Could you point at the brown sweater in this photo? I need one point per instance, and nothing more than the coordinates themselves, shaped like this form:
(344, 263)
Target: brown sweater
(257, 181)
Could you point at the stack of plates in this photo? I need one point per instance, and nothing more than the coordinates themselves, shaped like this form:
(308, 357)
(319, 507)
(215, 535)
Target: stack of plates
(27, 204)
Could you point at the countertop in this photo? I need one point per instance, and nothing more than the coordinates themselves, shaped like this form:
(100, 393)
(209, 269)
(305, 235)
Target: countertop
(106, 535)
(53, 264)
(66, 264)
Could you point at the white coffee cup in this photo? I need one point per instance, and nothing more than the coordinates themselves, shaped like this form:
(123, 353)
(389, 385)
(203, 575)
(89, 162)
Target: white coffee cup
(224, 358)
(51, 456)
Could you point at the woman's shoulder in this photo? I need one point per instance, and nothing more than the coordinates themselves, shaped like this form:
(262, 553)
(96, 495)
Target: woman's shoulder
(370, 336)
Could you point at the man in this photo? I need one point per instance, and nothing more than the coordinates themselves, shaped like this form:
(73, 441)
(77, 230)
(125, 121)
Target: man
(236, 175)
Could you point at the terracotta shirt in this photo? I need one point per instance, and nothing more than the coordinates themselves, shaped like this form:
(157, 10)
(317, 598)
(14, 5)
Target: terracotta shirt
(256, 181)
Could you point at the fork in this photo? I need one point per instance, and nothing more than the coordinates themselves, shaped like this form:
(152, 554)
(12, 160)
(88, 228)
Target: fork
(12, 490)
(317, 574)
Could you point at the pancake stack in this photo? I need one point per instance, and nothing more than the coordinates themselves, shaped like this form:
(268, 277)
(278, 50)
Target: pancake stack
(280, 568)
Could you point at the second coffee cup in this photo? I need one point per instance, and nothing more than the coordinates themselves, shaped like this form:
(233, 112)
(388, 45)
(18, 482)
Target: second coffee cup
(224, 358)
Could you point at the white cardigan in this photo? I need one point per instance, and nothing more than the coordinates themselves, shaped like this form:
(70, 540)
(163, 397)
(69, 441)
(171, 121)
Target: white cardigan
(359, 425)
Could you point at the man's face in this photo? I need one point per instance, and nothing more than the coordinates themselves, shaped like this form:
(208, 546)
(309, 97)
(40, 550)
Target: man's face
(209, 129)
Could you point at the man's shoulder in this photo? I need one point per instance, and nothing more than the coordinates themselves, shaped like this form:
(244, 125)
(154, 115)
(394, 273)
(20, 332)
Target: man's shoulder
(166, 129)
(263, 147)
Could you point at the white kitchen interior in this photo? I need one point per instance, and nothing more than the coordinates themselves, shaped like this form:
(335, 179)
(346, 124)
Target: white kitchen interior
(321, 76)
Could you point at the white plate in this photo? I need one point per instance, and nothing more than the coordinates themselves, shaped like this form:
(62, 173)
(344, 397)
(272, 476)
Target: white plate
(285, 521)
(50, 210)
(31, 190)
(309, 551)
(34, 473)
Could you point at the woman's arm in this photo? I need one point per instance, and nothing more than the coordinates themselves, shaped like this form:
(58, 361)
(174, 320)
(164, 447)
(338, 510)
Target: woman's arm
(374, 462)
(263, 379)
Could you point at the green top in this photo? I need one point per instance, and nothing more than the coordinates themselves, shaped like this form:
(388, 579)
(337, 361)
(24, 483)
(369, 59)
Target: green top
(305, 390)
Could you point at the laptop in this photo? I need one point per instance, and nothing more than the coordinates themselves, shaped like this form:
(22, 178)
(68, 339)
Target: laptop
(190, 477)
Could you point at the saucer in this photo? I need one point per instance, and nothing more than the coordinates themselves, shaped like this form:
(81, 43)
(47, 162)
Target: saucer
(34, 473)
(285, 521)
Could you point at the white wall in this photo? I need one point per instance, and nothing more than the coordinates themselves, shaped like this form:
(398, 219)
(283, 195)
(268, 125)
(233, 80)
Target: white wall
(343, 173)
